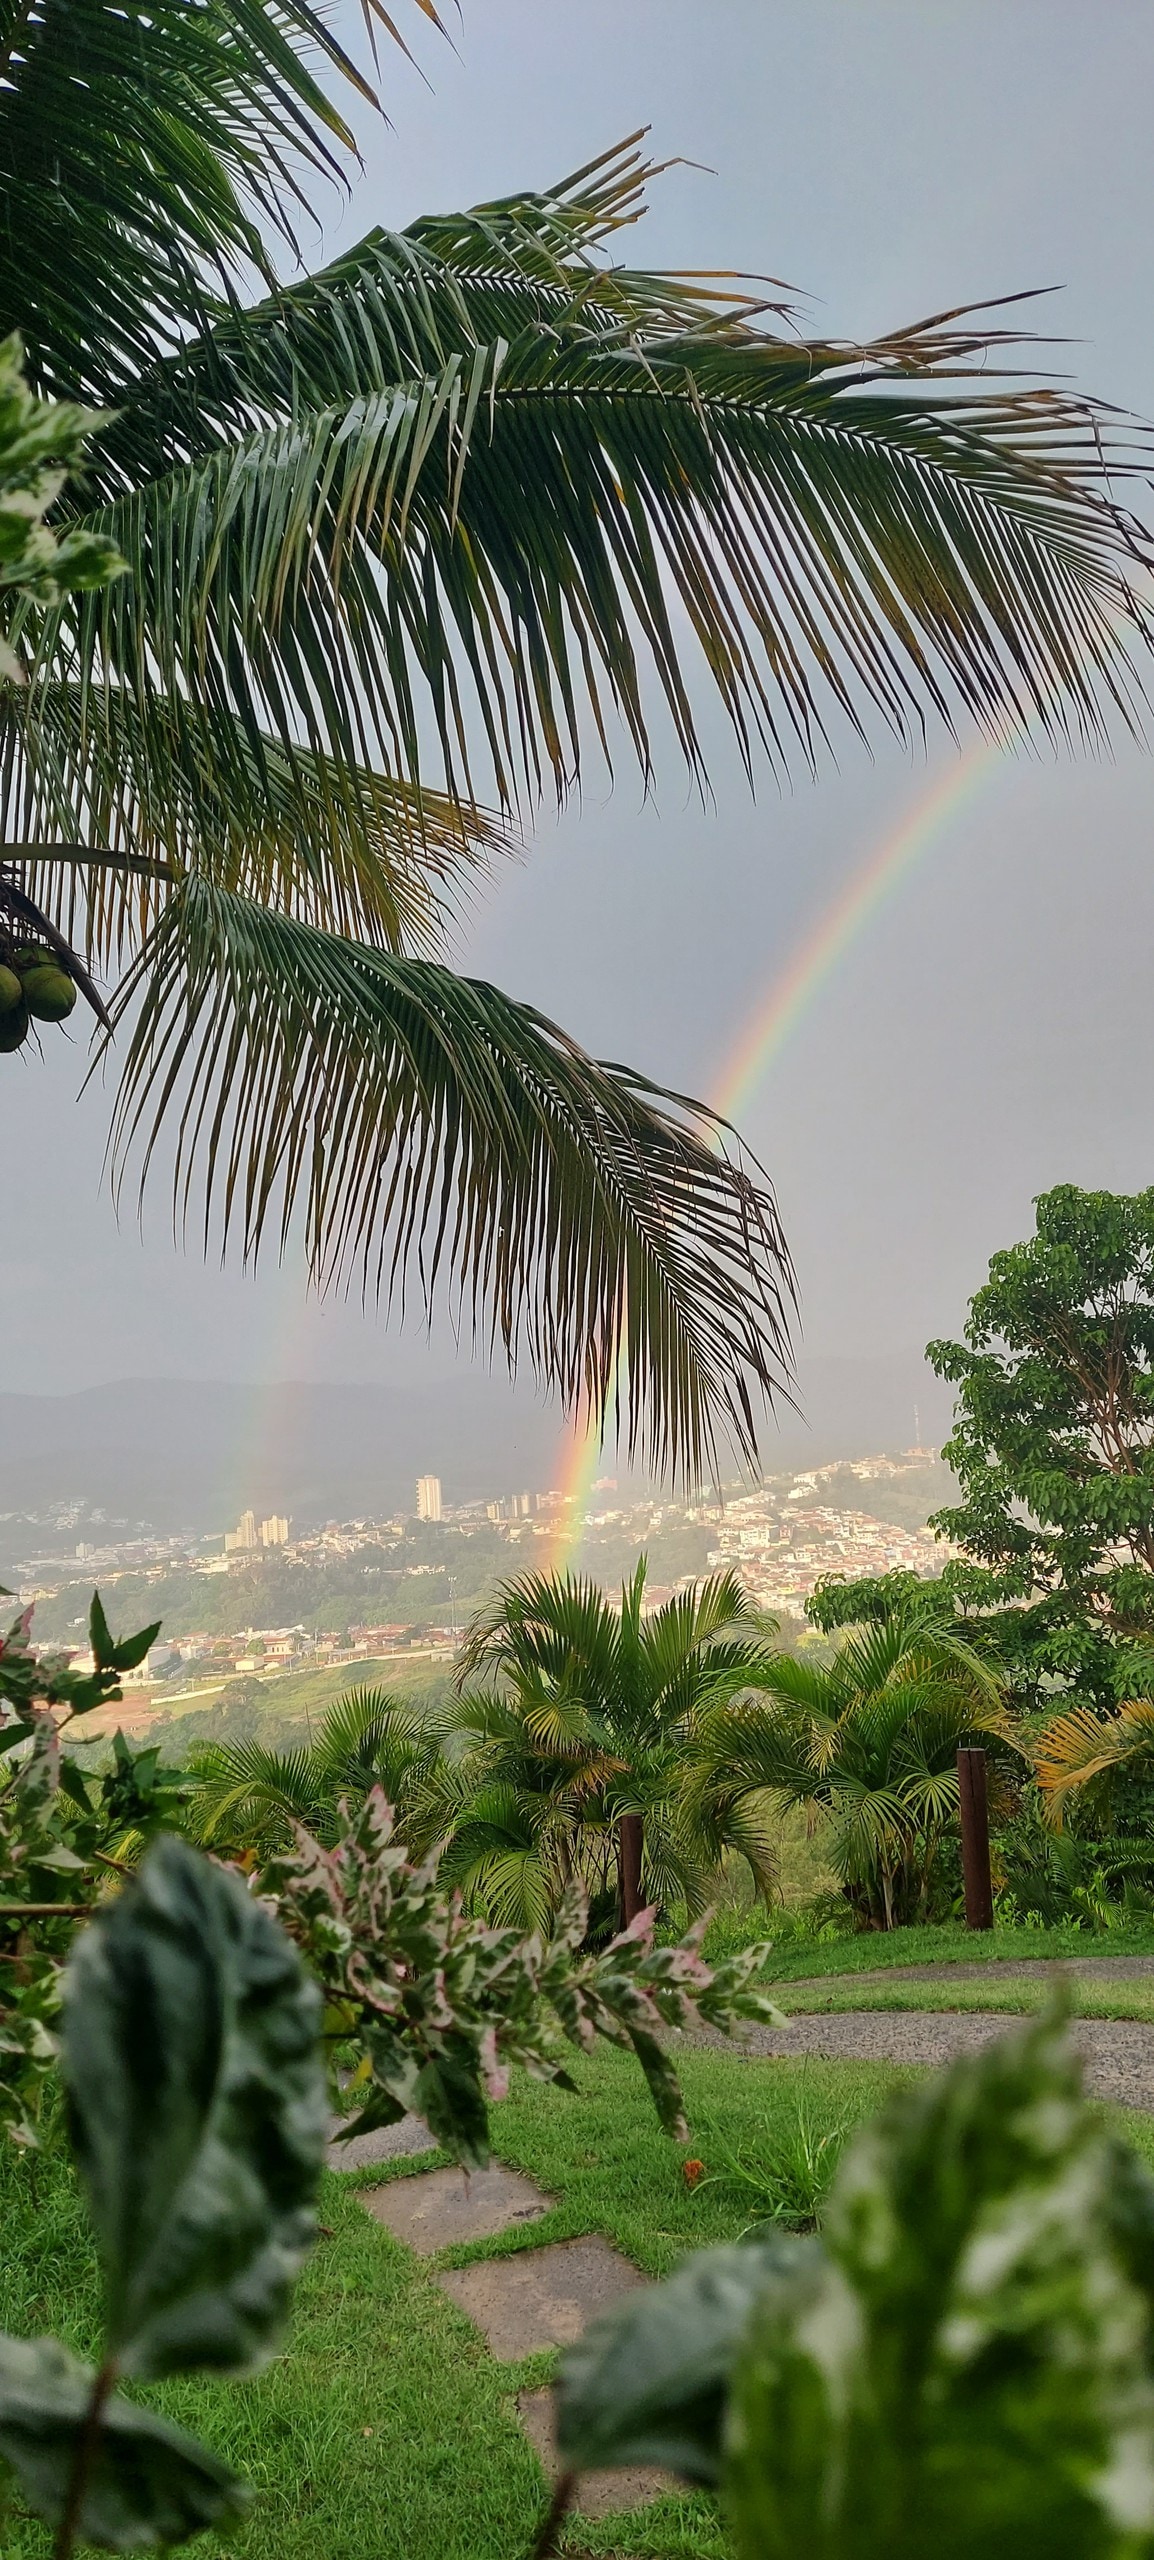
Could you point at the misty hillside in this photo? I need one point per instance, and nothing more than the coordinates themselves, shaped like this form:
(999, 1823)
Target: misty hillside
(181, 1455)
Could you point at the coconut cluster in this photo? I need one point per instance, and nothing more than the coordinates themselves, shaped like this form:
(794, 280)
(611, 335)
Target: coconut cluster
(34, 987)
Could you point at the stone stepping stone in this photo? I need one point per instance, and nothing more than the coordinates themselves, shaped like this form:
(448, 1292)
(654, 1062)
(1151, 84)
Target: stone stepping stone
(599, 2493)
(389, 2142)
(431, 2212)
(541, 2297)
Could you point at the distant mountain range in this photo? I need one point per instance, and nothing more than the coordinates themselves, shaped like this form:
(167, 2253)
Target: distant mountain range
(183, 1454)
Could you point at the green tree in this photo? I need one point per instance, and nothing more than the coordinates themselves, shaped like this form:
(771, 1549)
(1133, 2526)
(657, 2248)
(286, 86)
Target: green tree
(409, 533)
(871, 1741)
(581, 1747)
(1053, 1448)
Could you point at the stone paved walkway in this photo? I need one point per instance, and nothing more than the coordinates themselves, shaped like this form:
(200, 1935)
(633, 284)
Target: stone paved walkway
(389, 2142)
(601, 2493)
(538, 2298)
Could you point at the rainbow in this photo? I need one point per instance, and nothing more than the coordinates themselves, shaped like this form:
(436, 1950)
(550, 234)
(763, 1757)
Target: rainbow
(790, 996)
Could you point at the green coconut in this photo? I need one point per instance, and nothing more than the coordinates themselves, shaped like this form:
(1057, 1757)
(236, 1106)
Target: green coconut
(49, 993)
(15, 1026)
(32, 955)
(11, 992)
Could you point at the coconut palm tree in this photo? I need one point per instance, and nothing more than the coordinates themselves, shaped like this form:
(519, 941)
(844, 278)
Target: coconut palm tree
(870, 1741)
(577, 1747)
(246, 1797)
(414, 533)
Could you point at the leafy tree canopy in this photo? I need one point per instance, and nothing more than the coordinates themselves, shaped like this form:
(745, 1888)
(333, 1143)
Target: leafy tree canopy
(1053, 1445)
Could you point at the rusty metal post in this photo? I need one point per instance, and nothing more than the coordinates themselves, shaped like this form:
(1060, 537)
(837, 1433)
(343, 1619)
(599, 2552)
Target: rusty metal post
(975, 1839)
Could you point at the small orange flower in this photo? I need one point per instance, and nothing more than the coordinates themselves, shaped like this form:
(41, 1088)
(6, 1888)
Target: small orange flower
(693, 2172)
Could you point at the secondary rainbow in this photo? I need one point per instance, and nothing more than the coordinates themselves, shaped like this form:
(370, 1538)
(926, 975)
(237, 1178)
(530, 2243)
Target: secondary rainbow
(791, 995)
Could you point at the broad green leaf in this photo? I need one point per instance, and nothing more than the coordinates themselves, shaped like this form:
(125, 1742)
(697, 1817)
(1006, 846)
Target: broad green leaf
(132, 1650)
(963, 2374)
(648, 2381)
(100, 1635)
(149, 2484)
(192, 2062)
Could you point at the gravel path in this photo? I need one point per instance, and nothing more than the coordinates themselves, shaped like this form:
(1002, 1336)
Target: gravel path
(1119, 2052)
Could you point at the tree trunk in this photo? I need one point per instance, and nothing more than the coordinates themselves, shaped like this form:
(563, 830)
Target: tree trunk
(629, 1840)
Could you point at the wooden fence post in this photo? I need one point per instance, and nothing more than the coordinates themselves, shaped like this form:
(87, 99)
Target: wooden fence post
(629, 1834)
(975, 1839)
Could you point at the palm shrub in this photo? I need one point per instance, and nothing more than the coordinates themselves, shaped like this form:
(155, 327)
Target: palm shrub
(246, 1800)
(870, 1742)
(402, 537)
(1070, 1877)
(578, 1746)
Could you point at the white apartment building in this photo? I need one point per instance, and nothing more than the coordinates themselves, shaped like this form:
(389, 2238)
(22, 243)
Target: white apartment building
(428, 1498)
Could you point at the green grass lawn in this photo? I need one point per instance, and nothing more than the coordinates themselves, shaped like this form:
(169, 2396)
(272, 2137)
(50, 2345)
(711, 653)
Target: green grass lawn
(1092, 1999)
(798, 1956)
(387, 2432)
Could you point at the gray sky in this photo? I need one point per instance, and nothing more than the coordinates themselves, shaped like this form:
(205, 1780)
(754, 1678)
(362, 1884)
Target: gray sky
(991, 1031)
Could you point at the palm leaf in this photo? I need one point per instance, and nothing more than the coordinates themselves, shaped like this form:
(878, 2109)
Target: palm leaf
(340, 845)
(423, 1117)
(147, 148)
(1079, 1747)
(484, 543)
(242, 1789)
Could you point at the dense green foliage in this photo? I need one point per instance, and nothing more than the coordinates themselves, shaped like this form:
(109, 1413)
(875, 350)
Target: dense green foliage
(41, 443)
(871, 1739)
(247, 1797)
(1053, 1447)
(439, 2006)
(591, 1720)
(64, 1833)
(191, 2060)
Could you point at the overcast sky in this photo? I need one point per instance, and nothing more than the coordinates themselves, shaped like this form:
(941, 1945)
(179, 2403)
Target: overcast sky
(991, 1031)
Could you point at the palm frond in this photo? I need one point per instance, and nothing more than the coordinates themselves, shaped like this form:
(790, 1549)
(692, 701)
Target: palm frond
(1080, 1747)
(411, 1115)
(243, 1789)
(496, 524)
(106, 801)
(148, 149)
